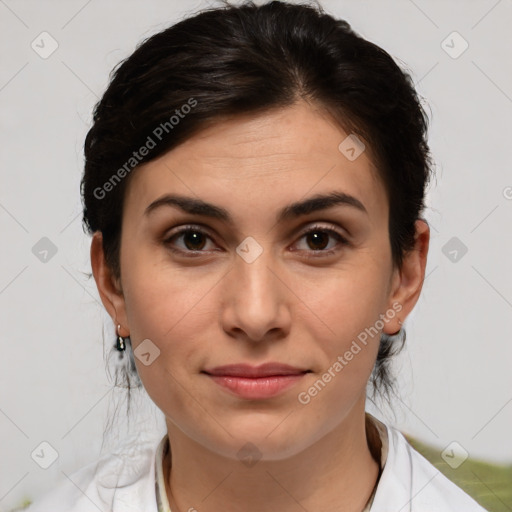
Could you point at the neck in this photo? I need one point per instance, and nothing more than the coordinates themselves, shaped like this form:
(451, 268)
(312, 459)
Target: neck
(335, 473)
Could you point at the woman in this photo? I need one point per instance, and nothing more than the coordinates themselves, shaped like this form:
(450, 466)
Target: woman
(254, 183)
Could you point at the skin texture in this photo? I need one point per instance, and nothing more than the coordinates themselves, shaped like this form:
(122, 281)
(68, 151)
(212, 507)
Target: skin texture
(218, 309)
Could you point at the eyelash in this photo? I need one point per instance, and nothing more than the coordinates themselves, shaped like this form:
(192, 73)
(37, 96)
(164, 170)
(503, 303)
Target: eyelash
(314, 229)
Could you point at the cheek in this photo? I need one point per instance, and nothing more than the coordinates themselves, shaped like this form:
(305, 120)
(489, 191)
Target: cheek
(170, 308)
(347, 344)
(344, 308)
(170, 313)
(158, 296)
(346, 300)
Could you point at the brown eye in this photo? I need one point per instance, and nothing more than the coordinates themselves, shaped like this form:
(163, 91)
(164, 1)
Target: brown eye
(194, 240)
(320, 241)
(317, 240)
(189, 240)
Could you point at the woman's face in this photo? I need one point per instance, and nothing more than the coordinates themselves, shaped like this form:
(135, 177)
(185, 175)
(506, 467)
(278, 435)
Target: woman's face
(247, 284)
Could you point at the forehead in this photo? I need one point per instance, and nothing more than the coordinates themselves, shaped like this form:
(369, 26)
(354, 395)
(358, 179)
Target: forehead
(261, 161)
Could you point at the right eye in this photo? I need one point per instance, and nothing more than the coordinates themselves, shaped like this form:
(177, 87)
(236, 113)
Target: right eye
(191, 239)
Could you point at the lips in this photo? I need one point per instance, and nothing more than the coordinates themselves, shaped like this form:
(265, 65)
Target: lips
(256, 382)
(248, 371)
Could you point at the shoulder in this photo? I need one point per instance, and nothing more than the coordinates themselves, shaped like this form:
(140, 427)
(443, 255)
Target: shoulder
(410, 483)
(123, 481)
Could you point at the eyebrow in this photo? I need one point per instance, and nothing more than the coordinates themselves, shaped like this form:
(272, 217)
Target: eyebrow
(312, 204)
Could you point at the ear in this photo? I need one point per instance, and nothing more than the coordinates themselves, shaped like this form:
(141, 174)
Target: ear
(109, 288)
(407, 282)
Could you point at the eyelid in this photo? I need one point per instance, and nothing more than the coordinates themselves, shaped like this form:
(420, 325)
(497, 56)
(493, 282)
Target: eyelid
(324, 227)
(188, 227)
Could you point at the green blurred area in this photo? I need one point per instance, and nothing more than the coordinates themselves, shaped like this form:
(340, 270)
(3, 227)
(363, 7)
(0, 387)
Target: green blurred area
(489, 484)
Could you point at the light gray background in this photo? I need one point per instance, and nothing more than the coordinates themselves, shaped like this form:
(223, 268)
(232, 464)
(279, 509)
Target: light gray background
(455, 373)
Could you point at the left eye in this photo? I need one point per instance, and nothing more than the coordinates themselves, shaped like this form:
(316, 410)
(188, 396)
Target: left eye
(320, 239)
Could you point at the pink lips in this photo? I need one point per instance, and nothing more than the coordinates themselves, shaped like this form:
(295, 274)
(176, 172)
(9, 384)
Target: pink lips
(256, 382)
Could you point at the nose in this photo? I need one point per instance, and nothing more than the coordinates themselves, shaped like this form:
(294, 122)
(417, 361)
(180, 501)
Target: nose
(255, 306)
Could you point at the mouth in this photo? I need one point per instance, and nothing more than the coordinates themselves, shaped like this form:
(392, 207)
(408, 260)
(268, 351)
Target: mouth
(263, 370)
(256, 383)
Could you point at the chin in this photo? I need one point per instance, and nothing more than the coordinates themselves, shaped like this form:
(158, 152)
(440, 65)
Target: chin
(269, 439)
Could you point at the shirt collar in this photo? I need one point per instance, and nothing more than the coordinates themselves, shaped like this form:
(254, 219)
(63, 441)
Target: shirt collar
(161, 495)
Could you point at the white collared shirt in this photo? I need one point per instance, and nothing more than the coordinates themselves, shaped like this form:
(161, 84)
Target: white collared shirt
(132, 481)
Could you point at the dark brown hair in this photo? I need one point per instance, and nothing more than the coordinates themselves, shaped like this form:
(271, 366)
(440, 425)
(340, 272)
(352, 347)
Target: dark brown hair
(233, 60)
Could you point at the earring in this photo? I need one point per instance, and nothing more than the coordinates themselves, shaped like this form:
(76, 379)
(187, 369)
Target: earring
(120, 341)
